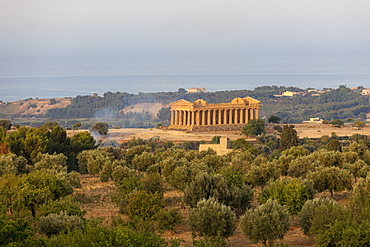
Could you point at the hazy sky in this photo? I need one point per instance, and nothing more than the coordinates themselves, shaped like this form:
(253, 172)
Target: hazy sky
(177, 24)
(228, 30)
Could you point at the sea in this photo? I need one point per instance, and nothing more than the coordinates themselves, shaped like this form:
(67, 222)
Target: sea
(19, 88)
(30, 79)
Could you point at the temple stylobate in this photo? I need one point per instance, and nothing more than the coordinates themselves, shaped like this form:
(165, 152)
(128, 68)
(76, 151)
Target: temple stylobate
(201, 116)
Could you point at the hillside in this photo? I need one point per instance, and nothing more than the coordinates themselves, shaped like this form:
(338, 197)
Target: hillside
(292, 105)
(35, 107)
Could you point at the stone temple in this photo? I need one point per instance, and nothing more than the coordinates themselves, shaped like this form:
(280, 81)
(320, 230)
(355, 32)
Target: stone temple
(201, 116)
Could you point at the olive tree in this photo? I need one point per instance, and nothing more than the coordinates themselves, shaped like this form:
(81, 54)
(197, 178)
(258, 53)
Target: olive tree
(211, 218)
(331, 178)
(36, 188)
(5, 123)
(266, 223)
(318, 213)
(206, 186)
(100, 128)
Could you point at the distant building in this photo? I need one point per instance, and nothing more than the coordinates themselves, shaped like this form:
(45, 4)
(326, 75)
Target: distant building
(290, 94)
(197, 90)
(365, 91)
(314, 120)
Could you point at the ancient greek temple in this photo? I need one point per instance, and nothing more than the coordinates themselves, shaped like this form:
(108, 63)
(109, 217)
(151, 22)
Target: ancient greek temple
(201, 116)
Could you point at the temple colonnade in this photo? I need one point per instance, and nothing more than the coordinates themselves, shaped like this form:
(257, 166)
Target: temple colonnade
(213, 116)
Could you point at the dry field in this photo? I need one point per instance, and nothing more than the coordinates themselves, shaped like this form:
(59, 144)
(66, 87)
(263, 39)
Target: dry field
(303, 130)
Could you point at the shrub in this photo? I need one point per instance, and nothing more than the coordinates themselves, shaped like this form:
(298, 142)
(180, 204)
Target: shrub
(167, 219)
(56, 223)
(67, 204)
(210, 218)
(16, 231)
(292, 193)
(266, 223)
(152, 183)
(143, 204)
(361, 193)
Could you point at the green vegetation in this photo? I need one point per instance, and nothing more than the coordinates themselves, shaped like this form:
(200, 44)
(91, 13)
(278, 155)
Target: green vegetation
(157, 187)
(266, 223)
(212, 219)
(254, 127)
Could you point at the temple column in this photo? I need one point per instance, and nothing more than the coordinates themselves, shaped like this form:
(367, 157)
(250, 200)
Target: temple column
(236, 116)
(197, 119)
(220, 117)
(214, 117)
(241, 116)
(177, 118)
(209, 117)
(181, 116)
(172, 117)
(192, 117)
(230, 116)
(257, 113)
(204, 118)
(225, 116)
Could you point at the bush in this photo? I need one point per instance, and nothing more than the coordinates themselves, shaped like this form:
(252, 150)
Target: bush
(211, 219)
(152, 183)
(167, 219)
(56, 223)
(67, 204)
(292, 193)
(16, 231)
(266, 223)
(143, 204)
(361, 193)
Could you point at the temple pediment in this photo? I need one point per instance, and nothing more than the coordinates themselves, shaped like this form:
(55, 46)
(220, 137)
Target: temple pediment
(181, 102)
(200, 102)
